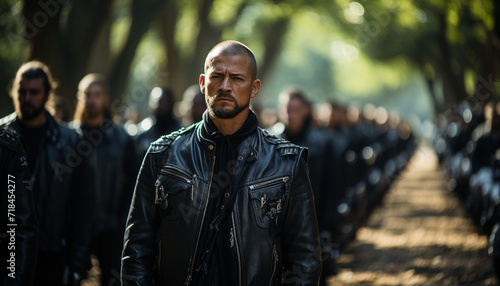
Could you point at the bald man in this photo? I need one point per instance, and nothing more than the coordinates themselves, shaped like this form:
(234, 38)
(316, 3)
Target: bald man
(223, 202)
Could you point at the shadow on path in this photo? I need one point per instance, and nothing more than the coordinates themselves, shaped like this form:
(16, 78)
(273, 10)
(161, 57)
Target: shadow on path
(420, 235)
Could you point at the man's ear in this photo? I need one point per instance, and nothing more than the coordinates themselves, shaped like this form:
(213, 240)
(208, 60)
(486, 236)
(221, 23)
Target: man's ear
(202, 83)
(255, 88)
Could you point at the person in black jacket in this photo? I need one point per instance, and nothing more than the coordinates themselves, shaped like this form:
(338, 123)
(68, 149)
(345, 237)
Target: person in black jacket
(56, 161)
(161, 103)
(295, 113)
(18, 224)
(113, 166)
(223, 202)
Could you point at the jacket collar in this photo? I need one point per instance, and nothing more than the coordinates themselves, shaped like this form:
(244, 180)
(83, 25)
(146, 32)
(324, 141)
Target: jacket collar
(250, 153)
(53, 130)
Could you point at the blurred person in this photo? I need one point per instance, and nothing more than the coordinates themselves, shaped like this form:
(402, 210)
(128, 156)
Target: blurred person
(61, 110)
(223, 202)
(62, 199)
(486, 146)
(18, 223)
(132, 118)
(268, 117)
(338, 117)
(485, 126)
(113, 166)
(192, 105)
(162, 122)
(295, 113)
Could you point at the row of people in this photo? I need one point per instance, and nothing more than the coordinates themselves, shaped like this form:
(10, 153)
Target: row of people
(83, 173)
(352, 162)
(467, 142)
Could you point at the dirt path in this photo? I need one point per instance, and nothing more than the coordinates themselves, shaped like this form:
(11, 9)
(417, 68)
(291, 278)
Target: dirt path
(420, 235)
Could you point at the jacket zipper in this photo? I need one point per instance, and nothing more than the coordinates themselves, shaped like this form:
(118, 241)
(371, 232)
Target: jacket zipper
(182, 175)
(275, 261)
(269, 182)
(237, 249)
(190, 276)
(178, 173)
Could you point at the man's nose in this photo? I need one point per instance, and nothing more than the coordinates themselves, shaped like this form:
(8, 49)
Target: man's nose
(225, 86)
(28, 96)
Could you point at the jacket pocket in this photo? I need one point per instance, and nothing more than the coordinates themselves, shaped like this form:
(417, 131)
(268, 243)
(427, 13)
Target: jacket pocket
(267, 200)
(174, 187)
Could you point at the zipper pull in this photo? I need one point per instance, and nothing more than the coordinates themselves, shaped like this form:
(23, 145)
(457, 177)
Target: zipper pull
(157, 198)
(192, 187)
(275, 253)
(278, 206)
(262, 201)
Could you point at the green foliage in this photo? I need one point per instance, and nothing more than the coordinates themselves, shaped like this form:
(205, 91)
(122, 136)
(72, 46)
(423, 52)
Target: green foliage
(344, 50)
(12, 45)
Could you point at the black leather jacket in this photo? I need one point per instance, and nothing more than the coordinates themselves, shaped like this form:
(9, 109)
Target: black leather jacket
(16, 204)
(276, 232)
(63, 202)
(114, 167)
(322, 167)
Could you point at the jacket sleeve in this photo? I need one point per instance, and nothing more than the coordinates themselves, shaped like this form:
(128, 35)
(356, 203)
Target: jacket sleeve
(139, 248)
(302, 251)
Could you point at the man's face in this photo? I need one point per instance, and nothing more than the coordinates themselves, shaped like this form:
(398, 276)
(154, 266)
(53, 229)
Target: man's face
(95, 100)
(296, 112)
(31, 98)
(228, 85)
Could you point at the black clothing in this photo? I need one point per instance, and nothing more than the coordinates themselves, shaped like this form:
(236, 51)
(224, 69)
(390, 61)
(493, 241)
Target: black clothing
(112, 164)
(273, 219)
(17, 218)
(31, 137)
(320, 161)
(63, 202)
(323, 171)
(161, 126)
(484, 151)
(217, 251)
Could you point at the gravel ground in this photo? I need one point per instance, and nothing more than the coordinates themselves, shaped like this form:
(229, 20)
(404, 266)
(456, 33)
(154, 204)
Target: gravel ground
(420, 235)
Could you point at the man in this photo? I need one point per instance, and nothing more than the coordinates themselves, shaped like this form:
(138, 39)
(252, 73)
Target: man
(295, 113)
(113, 168)
(192, 105)
(62, 203)
(18, 224)
(223, 202)
(161, 103)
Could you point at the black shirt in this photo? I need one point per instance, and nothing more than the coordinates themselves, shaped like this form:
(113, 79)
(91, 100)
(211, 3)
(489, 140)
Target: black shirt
(216, 263)
(33, 138)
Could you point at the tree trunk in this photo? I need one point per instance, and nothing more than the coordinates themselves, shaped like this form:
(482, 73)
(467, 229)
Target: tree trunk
(42, 30)
(176, 77)
(273, 39)
(453, 84)
(143, 13)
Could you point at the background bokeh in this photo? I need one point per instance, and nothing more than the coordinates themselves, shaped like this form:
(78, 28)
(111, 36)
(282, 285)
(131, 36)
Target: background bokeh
(417, 57)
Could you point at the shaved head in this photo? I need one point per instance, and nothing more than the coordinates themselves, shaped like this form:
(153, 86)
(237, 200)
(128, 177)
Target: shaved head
(233, 48)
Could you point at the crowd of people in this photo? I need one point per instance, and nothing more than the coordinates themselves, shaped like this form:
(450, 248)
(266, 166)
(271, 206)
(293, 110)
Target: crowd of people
(75, 179)
(467, 140)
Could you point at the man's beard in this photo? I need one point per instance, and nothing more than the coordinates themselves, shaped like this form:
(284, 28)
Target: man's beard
(91, 112)
(29, 111)
(223, 112)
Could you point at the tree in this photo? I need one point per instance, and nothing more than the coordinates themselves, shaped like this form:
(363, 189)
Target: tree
(442, 39)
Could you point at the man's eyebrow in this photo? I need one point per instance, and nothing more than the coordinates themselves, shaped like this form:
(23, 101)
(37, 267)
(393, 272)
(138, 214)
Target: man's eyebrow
(238, 74)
